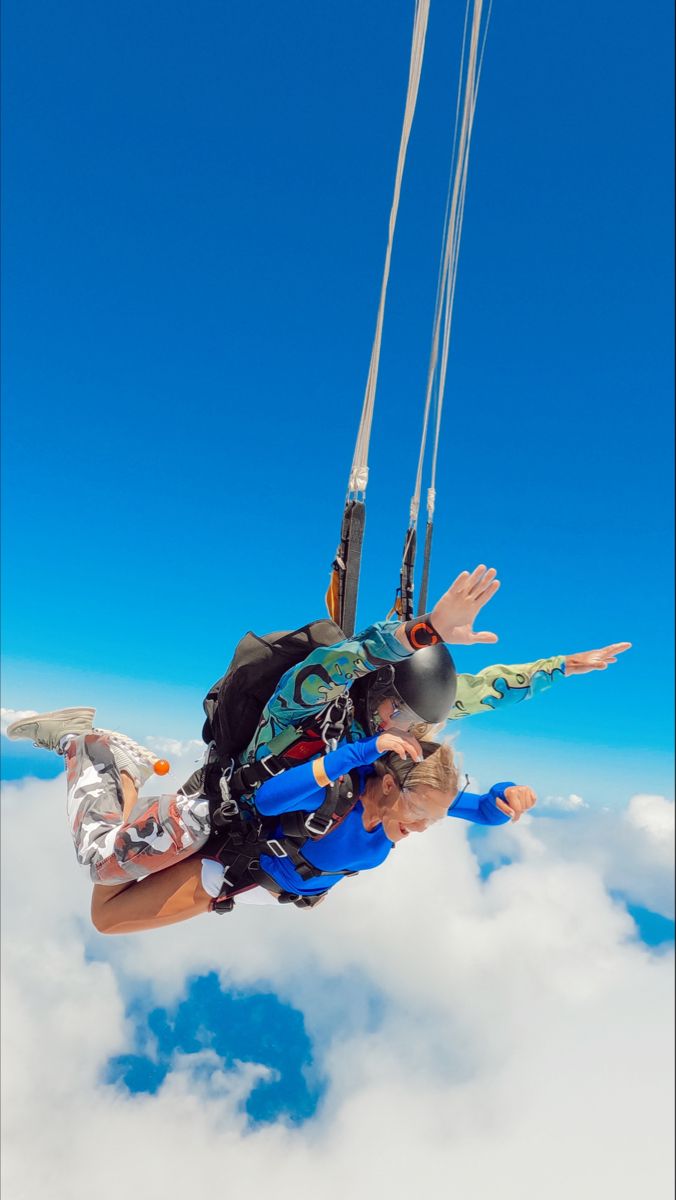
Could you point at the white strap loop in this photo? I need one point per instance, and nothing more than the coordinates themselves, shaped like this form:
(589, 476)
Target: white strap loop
(359, 473)
(455, 208)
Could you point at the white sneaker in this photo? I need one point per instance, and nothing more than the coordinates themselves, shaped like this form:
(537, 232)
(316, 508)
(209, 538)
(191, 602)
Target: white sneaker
(137, 761)
(47, 729)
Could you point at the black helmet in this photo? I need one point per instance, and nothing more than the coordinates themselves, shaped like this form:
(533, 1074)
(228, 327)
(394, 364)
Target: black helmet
(425, 683)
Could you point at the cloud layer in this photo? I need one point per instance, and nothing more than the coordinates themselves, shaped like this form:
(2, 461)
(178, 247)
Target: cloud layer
(520, 1044)
(7, 715)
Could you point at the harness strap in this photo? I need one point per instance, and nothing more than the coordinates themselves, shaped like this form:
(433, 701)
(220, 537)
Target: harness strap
(340, 798)
(248, 778)
(242, 842)
(240, 835)
(305, 869)
(257, 877)
(312, 736)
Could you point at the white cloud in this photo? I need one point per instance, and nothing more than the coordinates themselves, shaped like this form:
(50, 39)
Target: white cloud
(570, 803)
(523, 1050)
(654, 817)
(191, 747)
(8, 715)
(631, 849)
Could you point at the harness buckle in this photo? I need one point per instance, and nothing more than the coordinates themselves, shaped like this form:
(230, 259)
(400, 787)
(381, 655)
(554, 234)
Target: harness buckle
(277, 848)
(316, 825)
(273, 770)
(228, 807)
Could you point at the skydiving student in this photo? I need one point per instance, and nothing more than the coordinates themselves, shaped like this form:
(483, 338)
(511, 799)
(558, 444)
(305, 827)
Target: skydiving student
(401, 787)
(122, 839)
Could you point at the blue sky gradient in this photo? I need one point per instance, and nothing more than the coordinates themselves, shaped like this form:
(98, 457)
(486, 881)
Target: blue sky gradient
(195, 215)
(194, 224)
(194, 229)
(240, 1027)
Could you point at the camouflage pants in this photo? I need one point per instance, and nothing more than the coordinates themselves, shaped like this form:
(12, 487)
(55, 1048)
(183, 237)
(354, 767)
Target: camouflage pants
(159, 832)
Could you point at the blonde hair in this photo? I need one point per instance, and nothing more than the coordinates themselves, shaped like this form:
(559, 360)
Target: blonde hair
(437, 770)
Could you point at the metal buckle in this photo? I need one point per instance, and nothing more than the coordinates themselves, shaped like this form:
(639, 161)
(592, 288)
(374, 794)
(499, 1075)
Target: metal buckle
(316, 825)
(264, 763)
(277, 848)
(228, 806)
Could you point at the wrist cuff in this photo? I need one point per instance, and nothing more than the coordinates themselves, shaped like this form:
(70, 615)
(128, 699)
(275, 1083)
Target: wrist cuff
(319, 772)
(421, 632)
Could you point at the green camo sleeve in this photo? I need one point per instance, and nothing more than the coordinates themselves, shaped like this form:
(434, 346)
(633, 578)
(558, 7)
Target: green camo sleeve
(499, 686)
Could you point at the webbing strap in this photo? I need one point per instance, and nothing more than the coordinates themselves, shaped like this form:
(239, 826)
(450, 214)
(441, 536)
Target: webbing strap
(341, 597)
(424, 582)
(359, 472)
(339, 800)
(356, 519)
(240, 856)
(403, 605)
(248, 779)
(471, 62)
(451, 250)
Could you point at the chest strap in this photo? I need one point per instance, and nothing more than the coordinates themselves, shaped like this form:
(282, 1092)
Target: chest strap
(243, 839)
(339, 800)
(239, 854)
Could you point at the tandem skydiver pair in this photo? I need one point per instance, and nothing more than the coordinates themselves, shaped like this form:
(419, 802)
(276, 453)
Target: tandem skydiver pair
(269, 820)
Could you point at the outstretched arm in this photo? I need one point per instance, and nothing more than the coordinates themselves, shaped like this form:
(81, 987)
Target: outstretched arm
(504, 802)
(500, 685)
(594, 660)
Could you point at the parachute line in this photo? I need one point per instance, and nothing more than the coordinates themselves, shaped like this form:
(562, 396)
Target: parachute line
(443, 315)
(359, 472)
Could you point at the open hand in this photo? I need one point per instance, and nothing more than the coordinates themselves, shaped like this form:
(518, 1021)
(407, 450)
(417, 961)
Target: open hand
(403, 744)
(595, 660)
(517, 801)
(453, 616)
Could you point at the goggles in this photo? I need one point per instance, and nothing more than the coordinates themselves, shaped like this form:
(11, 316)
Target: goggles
(402, 716)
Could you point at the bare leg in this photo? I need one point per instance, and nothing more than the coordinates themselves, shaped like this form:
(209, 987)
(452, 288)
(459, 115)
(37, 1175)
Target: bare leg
(172, 895)
(130, 794)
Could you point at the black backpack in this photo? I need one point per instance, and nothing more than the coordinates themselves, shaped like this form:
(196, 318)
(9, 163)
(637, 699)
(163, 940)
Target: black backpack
(234, 704)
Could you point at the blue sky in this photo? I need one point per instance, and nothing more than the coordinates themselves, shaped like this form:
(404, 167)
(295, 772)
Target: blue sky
(195, 213)
(238, 1027)
(194, 224)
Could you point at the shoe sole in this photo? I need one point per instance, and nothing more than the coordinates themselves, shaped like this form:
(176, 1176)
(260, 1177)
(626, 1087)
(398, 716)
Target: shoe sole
(21, 729)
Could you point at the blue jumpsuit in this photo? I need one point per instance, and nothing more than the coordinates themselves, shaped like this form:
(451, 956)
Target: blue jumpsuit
(349, 847)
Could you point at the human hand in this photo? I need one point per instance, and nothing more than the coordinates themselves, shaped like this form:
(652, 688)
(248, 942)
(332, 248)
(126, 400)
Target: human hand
(595, 660)
(453, 616)
(403, 744)
(517, 801)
